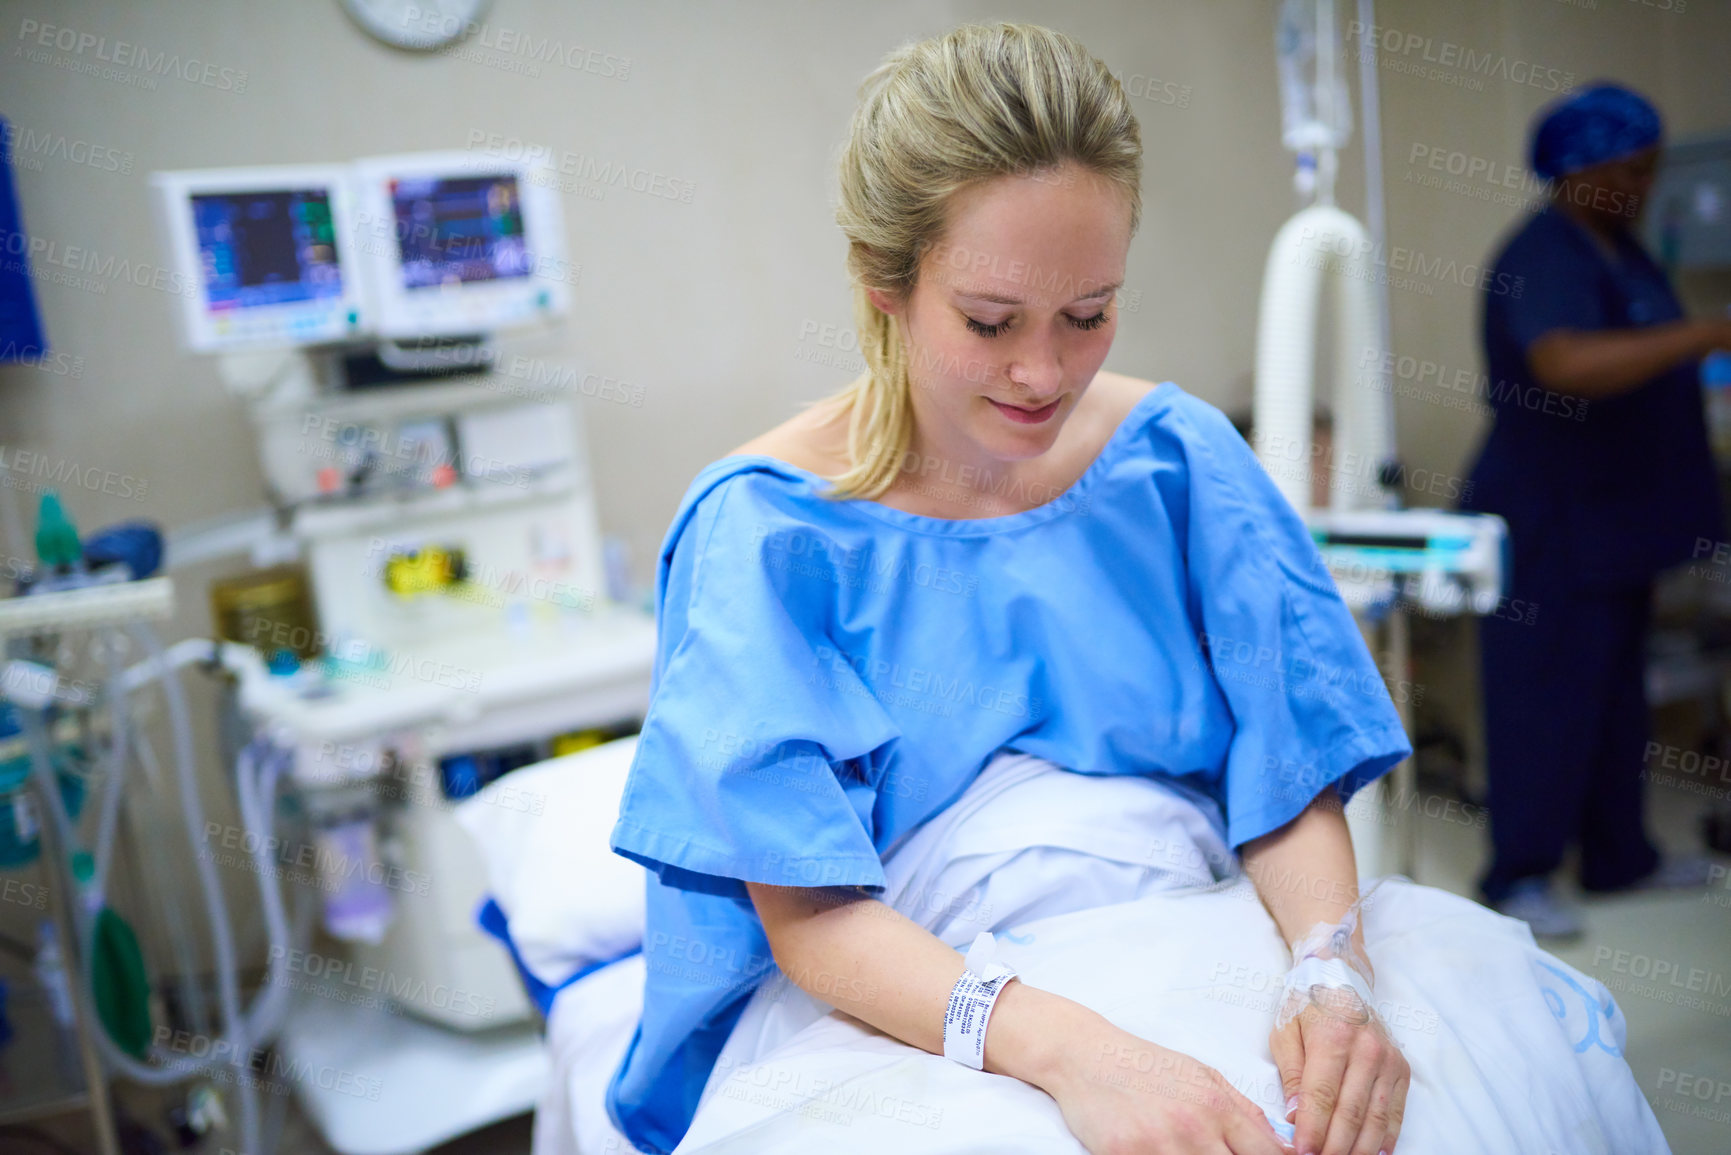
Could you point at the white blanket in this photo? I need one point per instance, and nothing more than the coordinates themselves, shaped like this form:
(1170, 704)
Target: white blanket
(1120, 893)
(1472, 1003)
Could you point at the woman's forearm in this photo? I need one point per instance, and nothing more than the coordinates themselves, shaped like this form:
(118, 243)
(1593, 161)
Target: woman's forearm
(1612, 361)
(1305, 872)
(864, 958)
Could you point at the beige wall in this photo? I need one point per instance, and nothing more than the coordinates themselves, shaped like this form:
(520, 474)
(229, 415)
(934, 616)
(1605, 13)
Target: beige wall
(702, 305)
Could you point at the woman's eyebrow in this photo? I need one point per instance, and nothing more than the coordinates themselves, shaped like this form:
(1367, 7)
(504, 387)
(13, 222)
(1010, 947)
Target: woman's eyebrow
(1000, 299)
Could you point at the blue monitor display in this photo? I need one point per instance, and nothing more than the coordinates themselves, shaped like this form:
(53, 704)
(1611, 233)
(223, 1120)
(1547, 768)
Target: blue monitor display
(266, 248)
(459, 230)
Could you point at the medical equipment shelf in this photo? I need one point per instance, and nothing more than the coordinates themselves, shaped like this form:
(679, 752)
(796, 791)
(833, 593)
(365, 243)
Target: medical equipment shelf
(386, 510)
(483, 387)
(608, 656)
(1441, 562)
(87, 608)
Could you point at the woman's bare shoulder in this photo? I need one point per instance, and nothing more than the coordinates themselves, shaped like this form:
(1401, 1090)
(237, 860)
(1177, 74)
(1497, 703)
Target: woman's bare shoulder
(1122, 392)
(814, 439)
(1112, 396)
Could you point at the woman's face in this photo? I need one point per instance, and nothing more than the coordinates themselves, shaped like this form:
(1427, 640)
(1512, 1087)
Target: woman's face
(1613, 192)
(1012, 312)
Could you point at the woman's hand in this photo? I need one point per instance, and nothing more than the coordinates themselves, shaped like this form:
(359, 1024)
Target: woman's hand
(1350, 1080)
(1122, 1095)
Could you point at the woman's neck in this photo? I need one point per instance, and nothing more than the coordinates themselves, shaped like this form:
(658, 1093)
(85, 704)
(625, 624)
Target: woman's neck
(960, 482)
(1605, 233)
(941, 479)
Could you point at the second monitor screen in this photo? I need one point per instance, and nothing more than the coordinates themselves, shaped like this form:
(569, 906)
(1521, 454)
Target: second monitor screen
(459, 230)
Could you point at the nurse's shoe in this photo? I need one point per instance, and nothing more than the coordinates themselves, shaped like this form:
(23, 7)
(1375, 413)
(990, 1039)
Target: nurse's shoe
(1679, 872)
(1534, 902)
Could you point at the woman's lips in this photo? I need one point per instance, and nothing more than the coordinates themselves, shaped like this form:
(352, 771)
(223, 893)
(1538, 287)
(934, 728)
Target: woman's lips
(1027, 416)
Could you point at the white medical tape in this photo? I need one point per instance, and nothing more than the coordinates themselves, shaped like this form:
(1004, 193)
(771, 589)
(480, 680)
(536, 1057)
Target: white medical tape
(1328, 972)
(971, 1000)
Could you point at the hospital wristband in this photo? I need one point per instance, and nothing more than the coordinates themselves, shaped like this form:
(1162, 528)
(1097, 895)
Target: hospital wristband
(971, 1000)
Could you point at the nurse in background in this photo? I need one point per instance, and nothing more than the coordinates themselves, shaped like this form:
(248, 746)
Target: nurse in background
(1599, 461)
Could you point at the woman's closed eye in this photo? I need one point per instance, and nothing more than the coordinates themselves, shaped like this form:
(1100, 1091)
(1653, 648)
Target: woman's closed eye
(998, 328)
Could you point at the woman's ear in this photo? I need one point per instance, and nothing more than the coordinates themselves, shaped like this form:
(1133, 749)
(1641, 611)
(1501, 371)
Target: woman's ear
(884, 302)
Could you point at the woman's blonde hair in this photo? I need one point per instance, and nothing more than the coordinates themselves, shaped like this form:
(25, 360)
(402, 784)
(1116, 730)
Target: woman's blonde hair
(938, 116)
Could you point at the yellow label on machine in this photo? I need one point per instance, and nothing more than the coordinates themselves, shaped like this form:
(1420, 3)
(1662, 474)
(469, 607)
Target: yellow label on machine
(423, 571)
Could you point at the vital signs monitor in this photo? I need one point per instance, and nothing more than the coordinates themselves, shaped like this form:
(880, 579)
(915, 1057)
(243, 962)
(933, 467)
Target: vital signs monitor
(264, 256)
(457, 244)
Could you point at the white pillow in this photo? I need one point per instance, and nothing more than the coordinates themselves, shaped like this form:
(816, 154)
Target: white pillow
(542, 830)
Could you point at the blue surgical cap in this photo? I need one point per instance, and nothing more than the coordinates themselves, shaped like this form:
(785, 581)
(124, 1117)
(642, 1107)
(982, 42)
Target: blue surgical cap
(1590, 126)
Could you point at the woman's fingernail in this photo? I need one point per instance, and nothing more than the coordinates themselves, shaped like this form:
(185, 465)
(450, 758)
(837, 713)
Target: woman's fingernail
(1291, 1107)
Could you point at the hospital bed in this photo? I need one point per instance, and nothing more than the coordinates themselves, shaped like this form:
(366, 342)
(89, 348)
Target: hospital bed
(1118, 892)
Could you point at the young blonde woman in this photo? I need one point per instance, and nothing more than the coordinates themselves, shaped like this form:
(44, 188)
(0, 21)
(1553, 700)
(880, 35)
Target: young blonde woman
(989, 543)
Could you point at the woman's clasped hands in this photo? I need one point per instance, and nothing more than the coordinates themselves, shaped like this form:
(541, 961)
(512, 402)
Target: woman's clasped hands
(1345, 1080)
(1122, 1095)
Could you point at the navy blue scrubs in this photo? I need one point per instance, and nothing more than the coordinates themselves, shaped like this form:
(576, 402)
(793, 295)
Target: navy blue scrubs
(1599, 496)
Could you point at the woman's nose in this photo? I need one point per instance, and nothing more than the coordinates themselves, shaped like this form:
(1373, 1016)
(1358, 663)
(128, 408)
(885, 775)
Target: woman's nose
(1035, 367)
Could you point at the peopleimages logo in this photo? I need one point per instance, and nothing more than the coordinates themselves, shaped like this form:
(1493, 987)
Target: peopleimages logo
(37, 357)
(29, 470)
(1323, 246)
(1457, 64)
(52, 257)
(29, 147)
(512, 42)
(87, 47)
(581, 167)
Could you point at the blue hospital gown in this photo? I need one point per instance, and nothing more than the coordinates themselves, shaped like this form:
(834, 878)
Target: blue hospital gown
(830, 674)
